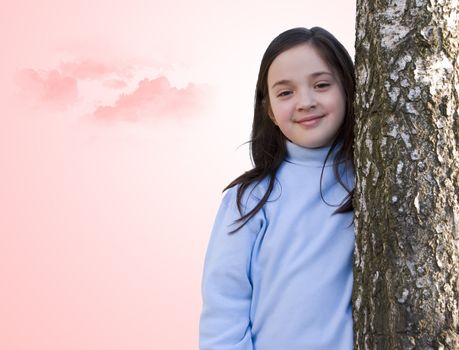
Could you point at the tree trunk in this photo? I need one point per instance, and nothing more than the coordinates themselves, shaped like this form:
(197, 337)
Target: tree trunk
(407, 175)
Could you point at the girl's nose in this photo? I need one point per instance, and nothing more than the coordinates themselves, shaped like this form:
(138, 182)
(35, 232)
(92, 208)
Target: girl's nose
(306, 100)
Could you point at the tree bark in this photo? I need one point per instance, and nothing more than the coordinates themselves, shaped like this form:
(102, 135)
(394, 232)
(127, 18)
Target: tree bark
(406, 259)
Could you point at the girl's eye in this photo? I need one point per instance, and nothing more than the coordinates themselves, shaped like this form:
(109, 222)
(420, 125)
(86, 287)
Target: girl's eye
(322, 85)
(283, 93)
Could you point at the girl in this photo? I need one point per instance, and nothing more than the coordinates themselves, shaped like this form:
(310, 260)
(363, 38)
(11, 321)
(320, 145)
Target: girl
(278, 269)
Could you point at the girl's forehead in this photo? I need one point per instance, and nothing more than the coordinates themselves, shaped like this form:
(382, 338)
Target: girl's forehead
(302, 59)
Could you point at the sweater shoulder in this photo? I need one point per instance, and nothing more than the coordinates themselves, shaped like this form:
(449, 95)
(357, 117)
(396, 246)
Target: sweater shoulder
(250, 197)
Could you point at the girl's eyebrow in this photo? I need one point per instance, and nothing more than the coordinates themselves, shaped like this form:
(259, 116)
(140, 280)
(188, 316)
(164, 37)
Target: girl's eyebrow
(321, 73)
(287, 82)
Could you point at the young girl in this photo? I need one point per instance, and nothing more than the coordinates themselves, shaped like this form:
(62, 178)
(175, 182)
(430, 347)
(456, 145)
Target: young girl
(278, 269)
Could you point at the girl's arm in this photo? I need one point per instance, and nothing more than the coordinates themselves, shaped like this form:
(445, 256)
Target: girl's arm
(226, 285)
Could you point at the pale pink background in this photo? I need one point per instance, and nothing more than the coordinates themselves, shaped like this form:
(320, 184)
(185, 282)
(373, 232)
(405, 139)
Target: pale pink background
(120, 126)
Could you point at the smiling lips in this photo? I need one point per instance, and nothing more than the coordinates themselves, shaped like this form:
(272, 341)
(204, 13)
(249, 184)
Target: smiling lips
(310, 120)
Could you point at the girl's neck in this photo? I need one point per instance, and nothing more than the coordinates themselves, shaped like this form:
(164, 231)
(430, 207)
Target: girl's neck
(313, 157)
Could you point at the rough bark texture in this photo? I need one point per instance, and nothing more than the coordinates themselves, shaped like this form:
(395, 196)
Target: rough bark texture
(407, 167)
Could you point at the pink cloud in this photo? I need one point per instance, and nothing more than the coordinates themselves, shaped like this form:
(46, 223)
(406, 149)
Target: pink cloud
(115, 84)
(154, 98)
(52, 88)
(90, 69)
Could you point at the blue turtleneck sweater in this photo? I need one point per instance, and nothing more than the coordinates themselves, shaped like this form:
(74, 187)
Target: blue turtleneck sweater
(283, 281)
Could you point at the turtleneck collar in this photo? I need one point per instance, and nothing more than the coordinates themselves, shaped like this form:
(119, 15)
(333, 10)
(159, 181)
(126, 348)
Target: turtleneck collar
(313, 157)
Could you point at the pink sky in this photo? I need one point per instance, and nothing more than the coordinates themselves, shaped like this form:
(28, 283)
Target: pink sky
(121, 122)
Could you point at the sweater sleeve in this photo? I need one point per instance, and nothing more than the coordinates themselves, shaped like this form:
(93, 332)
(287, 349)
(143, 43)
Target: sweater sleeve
(226, 285)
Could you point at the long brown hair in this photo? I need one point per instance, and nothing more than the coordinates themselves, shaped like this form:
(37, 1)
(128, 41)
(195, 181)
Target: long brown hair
(267, 144)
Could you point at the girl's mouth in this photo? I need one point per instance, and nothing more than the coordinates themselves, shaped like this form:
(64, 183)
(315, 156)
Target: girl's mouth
(311, 120)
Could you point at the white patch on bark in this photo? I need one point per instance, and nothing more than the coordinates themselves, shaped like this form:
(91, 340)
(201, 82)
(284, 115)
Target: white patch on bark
(433, 71)
(406, 139)
(393, 131)
(400, 65)
(363, 206)
(404, 296)
(369, 145)
(399, 171)
(410, 265)
(393, 94)
(358, 302)
(413, 94)
(392, 34)
(416, 203)
(366, 169)
(438, 260)
(456, 224)
(410, 108)
(375, 176)
(391, 31)
(375, 277)
(451, 18)
(439, 228)
(440, 158)
(362, 75)
(421, 282)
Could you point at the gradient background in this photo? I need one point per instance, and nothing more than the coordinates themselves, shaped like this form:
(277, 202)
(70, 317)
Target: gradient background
(121, 123)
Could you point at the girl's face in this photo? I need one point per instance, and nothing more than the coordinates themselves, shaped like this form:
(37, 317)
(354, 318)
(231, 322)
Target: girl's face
(306, 98)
